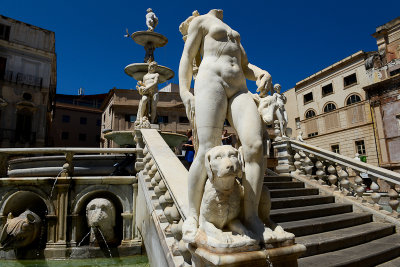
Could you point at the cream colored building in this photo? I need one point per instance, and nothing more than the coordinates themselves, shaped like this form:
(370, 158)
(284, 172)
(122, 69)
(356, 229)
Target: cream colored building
(331, 110)
(28, 77)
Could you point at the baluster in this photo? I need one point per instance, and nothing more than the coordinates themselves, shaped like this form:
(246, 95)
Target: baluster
(375, 196)
(360, 189)
(303, 156)
(308, 166)
(320, 172)
(332, 177)
(393, 202)
(344, 182)
(297, 162)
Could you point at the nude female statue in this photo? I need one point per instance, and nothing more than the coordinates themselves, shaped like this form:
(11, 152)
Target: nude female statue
(221, 92)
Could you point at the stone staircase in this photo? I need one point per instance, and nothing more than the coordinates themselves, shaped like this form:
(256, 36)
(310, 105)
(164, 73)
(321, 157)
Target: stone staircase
(333, 233)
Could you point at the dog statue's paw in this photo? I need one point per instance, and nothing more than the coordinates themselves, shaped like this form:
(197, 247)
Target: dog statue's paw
(282, 235)
(189, 229)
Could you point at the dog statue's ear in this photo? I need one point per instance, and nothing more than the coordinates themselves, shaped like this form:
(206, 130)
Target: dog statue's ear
(208, 166)
(241, 161)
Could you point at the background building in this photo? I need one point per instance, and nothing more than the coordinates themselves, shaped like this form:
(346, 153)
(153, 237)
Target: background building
(28, 77)
(77, 121)
(332, 111)
(383, 68)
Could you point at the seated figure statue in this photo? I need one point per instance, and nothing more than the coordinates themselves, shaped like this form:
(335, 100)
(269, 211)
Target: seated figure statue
(100, 215)
(148, 89)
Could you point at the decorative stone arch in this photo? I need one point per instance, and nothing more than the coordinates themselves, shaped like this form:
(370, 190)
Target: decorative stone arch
(19, 193)
(121, 201)
(350, 95)
(329, 103)
(309, 111)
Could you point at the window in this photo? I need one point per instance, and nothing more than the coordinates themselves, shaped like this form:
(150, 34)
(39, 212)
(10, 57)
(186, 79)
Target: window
(327, 90)
(398, 121)
(130, 118)
(64, 135)
(360, 147)
(335, 148)
(83, 120)
(329, 107)
(310, 114)
(3, 62)
(183, 120)
(4, 32)
(350, 80)
(353, 99)
(66, 118)
(312, 134)
(162, 119)
(98, 122)
(308, 98)
(82, 137)
(297, 120)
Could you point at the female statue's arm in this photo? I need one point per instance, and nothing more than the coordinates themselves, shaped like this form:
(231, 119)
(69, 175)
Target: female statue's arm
(192, 46)
(262, 77)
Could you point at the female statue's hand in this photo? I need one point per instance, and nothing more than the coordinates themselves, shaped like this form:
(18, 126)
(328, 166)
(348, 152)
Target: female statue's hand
(264, 83)
(188, 101)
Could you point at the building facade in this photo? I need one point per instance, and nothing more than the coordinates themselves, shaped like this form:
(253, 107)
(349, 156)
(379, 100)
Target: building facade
(383, 68)
(332, 111)
(77, 121)
(28, 78)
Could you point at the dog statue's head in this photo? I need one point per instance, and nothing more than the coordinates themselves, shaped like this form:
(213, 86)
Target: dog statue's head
(223, 165)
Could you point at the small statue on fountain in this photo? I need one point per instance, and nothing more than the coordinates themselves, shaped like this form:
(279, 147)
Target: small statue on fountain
(151, 20)
(148, 89)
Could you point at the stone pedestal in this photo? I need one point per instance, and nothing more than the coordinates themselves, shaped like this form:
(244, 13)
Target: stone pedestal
(285, 157)
(278, 257)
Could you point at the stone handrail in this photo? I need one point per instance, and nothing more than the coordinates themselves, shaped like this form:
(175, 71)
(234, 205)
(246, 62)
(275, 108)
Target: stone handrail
(69, 153)
(340, 173)
(163, 182)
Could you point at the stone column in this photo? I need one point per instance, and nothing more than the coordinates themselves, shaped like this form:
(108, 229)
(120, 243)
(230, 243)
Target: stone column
(62, 208)
(74, 229)
(51, 229)
(134, 207)
(139, 155)
(127, 234)
(285, 157)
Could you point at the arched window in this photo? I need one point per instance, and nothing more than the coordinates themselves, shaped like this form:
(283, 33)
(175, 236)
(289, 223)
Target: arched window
(329, 107)
(310, 113)
(353, 99)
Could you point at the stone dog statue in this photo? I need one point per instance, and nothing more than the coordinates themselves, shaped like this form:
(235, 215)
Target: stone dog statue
(221, 202)
(100, 215)
(220, 226)
(20, 231)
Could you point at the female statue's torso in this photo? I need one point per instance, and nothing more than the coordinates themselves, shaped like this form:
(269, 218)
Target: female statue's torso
(221, 62)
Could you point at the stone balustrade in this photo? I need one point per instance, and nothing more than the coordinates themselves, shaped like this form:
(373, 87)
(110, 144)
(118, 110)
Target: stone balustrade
(341, 173)
(163, 182)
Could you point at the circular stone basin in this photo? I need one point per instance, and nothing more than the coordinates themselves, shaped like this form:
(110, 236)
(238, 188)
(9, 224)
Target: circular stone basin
(124, 138)
(138, 70)
(144, 37)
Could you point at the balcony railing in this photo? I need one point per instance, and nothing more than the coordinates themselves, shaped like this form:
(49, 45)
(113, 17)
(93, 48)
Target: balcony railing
(22, 78)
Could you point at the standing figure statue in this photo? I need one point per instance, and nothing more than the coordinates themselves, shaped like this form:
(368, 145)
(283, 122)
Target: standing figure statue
(151, 20)
(272, 107)
(221, 92)
(148, 89)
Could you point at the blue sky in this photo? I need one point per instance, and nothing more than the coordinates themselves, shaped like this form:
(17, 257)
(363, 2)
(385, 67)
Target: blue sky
(290, 39)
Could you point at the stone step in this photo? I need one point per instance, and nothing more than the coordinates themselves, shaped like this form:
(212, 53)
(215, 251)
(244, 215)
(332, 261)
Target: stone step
(307, 212)
(284, 185)
(392, 263)
(293, 192)
(277, 179)
(344, 238)
(327, 223)
(368, 254)
(300, 201)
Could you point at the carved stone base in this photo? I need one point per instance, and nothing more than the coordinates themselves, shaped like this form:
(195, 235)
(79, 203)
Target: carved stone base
(278, 257)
